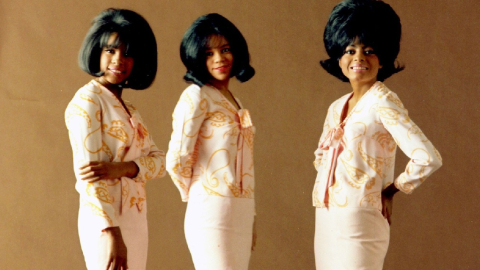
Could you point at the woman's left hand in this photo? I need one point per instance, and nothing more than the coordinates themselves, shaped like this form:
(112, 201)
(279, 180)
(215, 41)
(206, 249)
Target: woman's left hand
(387, 202)
(387, 206)
(101, 170)
(254, 234)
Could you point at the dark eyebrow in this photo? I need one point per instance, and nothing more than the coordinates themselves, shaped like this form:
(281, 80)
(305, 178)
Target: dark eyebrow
(363, 47)
(220, 47)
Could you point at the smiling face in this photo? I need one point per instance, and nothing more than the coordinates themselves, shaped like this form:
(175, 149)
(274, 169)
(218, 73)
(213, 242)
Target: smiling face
(115, 63)
(360, 64)
(219, 60)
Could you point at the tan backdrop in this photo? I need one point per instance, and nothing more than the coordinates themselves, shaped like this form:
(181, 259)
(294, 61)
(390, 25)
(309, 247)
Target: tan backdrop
(437, 227)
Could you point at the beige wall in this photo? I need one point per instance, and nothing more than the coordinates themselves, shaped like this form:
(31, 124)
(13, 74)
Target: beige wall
(437, 227)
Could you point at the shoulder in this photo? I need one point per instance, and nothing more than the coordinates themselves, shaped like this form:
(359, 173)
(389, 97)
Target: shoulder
(193, 89)
(191, 99)
(90, 92)
(87, 96)
(199, 93)
(386, 97)
(85, 104)
(381, 91)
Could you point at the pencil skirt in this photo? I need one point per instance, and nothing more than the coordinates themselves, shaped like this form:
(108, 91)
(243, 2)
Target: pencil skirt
(350, 239)
(218, 231)
(94, 242)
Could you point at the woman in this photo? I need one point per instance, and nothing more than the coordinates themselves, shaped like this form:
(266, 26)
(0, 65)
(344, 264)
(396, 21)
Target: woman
(114, 154)
(355, 158)
(210, 156)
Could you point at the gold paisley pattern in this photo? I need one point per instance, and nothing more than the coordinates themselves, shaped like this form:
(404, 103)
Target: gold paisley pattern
(395, 100)
(376, 163)
(373, 200)
(87, 98)
(219, 119)
(358, 177)
(75, 110)
(348, 155)
(211, 147)
(116, 130)
(415, 130)
(216, 165)
(336, 194)
(98, 116)
(370, 136)
(150, 168)
(97, 119)
(99, 191)
(125, 192)
(389, 115)
(385, 140)
(211, 191)
(381, 91)
(200, 115)
(402, 184)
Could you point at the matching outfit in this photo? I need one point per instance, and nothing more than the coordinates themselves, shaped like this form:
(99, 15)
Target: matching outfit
(210, 160)
(100, 129)
(355, 162)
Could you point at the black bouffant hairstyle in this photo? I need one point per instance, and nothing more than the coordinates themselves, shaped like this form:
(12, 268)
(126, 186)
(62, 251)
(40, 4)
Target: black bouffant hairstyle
(137, 36)
(374, 23)
(195, 43)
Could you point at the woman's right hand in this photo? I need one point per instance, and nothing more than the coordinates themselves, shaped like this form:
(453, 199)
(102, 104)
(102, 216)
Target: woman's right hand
(117, 259)
(102, 170)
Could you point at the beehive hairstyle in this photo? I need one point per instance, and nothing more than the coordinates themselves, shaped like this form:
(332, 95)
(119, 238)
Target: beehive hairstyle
(134, 32)
(195, 42)
(374, 23)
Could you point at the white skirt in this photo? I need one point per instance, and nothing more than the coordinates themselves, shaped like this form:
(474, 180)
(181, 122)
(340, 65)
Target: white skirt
(350, 239)
(219, 232)
(134, 228)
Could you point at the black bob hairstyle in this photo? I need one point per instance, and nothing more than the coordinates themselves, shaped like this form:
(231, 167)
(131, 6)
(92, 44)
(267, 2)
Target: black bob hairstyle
(137, 36)
(374, 23)
(195, 42)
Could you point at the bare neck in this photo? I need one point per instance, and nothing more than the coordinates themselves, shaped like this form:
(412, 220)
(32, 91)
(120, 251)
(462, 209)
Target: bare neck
(115, 89)
(220, 85)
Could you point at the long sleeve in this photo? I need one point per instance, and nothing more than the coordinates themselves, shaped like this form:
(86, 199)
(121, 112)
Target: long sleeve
(319, 152)
(188, 117)
(424, 158)
(83, 120)
(151, 164)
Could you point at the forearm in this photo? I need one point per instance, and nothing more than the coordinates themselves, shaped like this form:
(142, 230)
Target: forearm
(390, 191)
(103, 170)
(113, 231)
(117, 249)
(129, 169)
